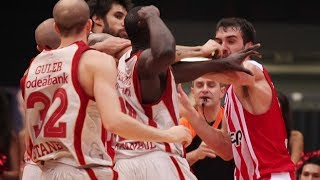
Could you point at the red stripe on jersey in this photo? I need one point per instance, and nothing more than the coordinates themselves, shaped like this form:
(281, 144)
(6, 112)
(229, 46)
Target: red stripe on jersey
(167, 147)
(243, 165)
(148, 111)
(115, 175)
(177, 167)
(91, 174)
(22, 85)
(167, 98)
(84, 102)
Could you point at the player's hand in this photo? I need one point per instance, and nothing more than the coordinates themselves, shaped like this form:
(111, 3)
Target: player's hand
(186, 108)
(212, 49)
(148, 11)
(180, 134)
(205, 151)
(234, 61)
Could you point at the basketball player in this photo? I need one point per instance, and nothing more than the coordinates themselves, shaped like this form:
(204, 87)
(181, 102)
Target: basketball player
(46, 38)
(148, 93)
(109, 32)
(64, 141)
(253, 116)
(45, 35)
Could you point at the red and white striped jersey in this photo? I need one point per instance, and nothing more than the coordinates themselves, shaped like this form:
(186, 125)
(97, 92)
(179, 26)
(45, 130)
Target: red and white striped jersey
(258, 141)
(59, 126)
(162, 114)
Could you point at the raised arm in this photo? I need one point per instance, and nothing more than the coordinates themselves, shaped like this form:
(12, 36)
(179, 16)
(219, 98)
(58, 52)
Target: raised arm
(210, 49)
(196, 69)
(161, 53)
(296, 145)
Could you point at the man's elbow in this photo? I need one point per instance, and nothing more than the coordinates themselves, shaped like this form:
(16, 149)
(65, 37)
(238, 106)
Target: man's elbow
(227, 156)
(111, 123)
(167, 54)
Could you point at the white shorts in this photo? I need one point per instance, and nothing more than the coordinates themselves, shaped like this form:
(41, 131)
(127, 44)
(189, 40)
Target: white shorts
(282, 176)
(155, 165)
(59, 171)
(31, 171)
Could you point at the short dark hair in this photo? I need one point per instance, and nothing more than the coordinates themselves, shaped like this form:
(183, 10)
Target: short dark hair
(246, 27)
(101, 7)
(312, 160)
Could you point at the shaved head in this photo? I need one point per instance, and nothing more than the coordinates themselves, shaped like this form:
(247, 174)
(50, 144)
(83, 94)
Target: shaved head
(71, 16)
(46, 36)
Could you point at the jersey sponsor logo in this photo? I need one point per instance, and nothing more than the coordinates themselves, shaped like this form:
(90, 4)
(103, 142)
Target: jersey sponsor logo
(135, 146)
(49, 80)
(236, 137)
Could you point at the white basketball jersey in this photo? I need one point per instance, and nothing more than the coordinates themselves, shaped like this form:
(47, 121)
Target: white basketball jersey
(163, 114)
(56, 111)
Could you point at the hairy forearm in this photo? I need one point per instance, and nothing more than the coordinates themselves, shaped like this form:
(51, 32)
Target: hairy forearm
(129, 128)
(195, 69)
(187, 51)
(192, 157)
(216, 139)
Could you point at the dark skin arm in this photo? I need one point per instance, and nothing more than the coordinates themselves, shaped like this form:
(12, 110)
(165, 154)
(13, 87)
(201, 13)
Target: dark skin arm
(154, 62)
(197, 69)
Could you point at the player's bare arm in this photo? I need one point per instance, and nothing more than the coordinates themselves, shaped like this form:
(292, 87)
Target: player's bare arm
(196, 69)
(97, 75)
(211, 49)
(217, 139)
(161, 53)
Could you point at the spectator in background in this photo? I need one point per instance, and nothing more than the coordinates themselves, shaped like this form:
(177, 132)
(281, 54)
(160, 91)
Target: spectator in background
(310, 169)
(295, 137)
(9, 143)
(46, 38)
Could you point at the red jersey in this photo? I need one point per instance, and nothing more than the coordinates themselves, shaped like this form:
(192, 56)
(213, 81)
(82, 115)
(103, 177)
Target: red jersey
(258, 141)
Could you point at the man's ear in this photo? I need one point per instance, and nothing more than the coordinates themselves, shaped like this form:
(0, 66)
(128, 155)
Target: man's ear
(97, 21)
(248, 44)
(39, 49)
(89, 26)
(223, 91)
(56, 29)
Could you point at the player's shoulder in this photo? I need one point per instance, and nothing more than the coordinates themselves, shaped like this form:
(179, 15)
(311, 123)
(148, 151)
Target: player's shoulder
(96, 58)
(93, 54)
(253, 64)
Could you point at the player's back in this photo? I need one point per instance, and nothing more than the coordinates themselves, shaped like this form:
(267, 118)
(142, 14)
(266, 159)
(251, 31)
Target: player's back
(56, 105)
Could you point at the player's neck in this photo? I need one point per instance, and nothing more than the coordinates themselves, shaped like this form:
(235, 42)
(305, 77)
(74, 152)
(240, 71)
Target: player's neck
(67, 41)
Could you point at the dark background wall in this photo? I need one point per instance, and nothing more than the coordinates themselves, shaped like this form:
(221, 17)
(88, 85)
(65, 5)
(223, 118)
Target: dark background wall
(20, 18)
